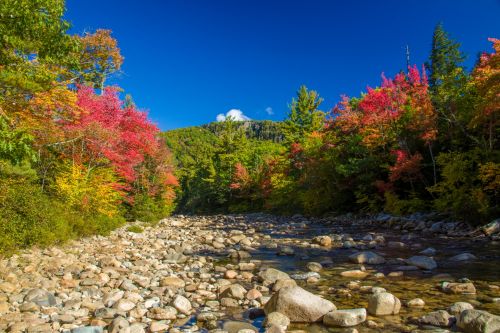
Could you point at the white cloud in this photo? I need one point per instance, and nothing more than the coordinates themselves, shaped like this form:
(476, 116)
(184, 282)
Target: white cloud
(269, 111)
(235, 114)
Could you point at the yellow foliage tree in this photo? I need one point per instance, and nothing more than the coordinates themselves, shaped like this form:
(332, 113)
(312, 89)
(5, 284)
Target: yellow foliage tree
(90, 190)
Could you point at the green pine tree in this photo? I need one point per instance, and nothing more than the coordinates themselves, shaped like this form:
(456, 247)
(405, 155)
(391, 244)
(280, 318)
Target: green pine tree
(304, 116)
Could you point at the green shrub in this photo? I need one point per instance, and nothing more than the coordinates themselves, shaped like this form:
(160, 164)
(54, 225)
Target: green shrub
(148, 209)
(30, 217)
(135, 228)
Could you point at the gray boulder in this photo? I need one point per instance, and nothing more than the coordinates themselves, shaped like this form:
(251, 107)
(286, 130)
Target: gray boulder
(366, 257)
(345, 318)
(40, 297)
(272, 275)
(422, 262)
(440, 318)
(476, 321)
(383, 304)
(299, 305)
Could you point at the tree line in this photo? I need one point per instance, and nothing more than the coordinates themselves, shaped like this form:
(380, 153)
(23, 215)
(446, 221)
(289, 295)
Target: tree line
(425, 140)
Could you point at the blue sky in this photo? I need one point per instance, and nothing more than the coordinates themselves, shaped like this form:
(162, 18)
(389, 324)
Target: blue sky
(187, 61)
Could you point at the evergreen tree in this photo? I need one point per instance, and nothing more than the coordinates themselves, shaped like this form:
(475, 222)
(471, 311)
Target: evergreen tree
(448, 86)
(304, 116)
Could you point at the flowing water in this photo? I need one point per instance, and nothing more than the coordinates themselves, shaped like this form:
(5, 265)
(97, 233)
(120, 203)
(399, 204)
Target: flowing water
(484, 272)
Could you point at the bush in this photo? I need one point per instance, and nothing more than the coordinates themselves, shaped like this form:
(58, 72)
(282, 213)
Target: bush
(135, 228)
(30, 217)
(148, 209)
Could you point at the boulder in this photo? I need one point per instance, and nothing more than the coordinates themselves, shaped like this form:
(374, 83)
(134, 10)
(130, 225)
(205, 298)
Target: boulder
(491, 228)
(383, 303)
(182, 304)
(366, 257)
(173, 282)
(440, 318)
(459, 288)
(299, 305)
(422, 262)
(345, 318)
(272, 275)
(284, 283)
(415, 303)
(356, 273)
(457, 308)
(325, 241)
(40, 297)
(233, 291)
(278, 319)
(476, 321)
(236, 326)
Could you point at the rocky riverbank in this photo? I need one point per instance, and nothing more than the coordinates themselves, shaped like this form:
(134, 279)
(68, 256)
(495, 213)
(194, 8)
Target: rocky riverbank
(261, 273)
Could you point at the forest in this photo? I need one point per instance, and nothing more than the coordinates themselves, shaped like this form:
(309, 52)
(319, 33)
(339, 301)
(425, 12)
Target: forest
(78, 157)
(425, 140)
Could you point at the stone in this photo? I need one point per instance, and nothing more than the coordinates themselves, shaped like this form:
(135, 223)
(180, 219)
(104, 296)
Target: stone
(230, 274)
(356, 273)
(476, 321)
(299, 305)
(253, 294)
(396, 245)
(457, 308)
(246, 266)
(229, 302)
(345, 318)
(88, 329)
(325, 241)
(40, 297)
(4, 307)
(274, 329)
(137, 328)
(277, 319)
(422, 262)
(29, 307)
(182, 304)
(233, 291)
(305, 276)
(383, 303)
(463, 257)
(284, 283)
(118, 325)
(491, 228)
(285, 251)
(166, 313)
(7, 287)
(124, 305)
(459, 288)
(173, 282)
(366, 257)
(440, 318)
(428, 251)
(314, 266)
(232, 326)
(415, 303)
(272, 275)
(113, 297)
(158, 326)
